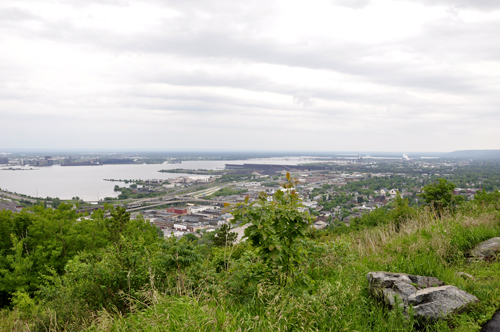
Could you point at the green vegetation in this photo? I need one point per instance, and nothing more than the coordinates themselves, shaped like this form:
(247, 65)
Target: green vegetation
(440, 195)
(25, 203)
(223, 237)
(233, 177)
(114, 274)
(34, 244)
(484, 174)
(276, 230)
(397, 213)
(133, 193)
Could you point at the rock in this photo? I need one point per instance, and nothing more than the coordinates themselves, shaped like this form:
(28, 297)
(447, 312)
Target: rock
(440, 302)
(429, 296)
(486, 250)
(493, 325)
(465, 275)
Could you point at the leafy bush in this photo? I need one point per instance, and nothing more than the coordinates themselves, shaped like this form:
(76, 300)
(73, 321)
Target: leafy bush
(439, 196)
(224, 237)
(277, 229)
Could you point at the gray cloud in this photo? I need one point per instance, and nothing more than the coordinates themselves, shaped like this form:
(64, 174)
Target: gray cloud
(475, 4)
(86, 3)
(16, 14)
(303, 98)
(196, 70)
(355, 4)
(348, 58)
(214, 40)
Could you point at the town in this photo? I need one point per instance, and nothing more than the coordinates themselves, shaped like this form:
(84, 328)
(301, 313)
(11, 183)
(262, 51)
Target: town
(337, 192)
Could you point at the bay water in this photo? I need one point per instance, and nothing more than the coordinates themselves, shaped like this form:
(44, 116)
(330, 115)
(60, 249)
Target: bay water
(87, 182)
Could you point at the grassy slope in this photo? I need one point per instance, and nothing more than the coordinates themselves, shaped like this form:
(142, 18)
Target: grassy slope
(340, 299)
(423, 246)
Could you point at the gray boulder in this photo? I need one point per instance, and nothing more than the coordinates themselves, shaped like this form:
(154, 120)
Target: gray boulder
(429, 296)
(486, 250)
(493, 325)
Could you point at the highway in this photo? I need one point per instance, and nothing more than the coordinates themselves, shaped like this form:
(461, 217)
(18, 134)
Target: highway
(199, 193)
(176, 200)
(3, 193)
(157, 201)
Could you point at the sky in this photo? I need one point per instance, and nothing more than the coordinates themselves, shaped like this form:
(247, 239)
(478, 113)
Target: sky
(323, 75)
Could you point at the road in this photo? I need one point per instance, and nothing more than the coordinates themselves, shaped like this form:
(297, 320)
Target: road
(3, 193)
(240, 231)
(204, 192)
(172, 201)
(159, 200)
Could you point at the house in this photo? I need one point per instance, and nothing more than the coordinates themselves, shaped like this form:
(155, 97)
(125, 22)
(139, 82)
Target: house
(393, 192)
(365, 207)
(227, 217)
(321, 218)
(317, 198)
(320, 224)
(173, 232)
(310, 204)
(356, 215)
(380, 199)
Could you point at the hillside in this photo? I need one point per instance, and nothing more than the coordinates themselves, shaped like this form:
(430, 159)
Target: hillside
(140, 284)
(473, 154)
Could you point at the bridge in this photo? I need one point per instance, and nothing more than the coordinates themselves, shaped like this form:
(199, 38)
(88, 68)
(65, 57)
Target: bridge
(173, 201)
(156, 201)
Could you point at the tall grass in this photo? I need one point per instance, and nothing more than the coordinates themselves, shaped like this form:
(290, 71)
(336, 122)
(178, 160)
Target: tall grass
(337, 298)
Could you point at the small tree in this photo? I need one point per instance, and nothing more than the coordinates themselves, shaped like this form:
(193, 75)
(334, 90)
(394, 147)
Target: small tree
(277, 227)
(117, 224)
(483, 198)
(191, 237)
(178, 255)
(401, 211)
(224, 237)
(439, 195)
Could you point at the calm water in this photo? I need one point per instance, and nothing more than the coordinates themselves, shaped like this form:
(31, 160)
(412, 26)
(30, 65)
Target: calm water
(87, 182)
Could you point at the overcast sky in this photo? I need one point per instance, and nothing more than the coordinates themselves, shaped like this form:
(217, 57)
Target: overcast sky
(332, 75)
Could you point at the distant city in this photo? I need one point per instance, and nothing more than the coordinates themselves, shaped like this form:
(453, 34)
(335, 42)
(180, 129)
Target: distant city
(336, 189)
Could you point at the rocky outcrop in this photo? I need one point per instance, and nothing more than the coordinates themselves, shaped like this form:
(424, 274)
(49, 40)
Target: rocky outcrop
(487, 250)
(429, 297)
(493, 325)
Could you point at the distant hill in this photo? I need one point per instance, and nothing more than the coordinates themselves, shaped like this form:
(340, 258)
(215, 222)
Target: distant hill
(473, 154)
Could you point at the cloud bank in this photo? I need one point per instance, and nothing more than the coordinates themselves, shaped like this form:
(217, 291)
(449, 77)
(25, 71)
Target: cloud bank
(412, 75)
